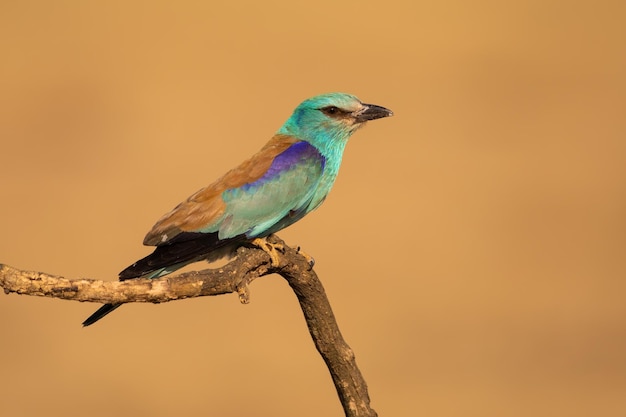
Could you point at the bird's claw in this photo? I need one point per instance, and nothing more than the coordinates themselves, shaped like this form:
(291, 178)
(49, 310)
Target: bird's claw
(271, 249)
(309, 259)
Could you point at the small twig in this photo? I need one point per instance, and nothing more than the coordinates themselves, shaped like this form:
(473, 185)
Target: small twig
(249, 264)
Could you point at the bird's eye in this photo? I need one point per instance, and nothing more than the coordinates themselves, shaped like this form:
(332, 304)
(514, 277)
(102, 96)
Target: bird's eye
(331, 110)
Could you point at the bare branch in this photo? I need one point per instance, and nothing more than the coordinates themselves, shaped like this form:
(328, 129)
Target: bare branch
(250, 263)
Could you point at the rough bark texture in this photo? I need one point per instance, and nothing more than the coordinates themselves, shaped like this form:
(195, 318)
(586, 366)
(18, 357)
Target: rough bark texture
(250, 263)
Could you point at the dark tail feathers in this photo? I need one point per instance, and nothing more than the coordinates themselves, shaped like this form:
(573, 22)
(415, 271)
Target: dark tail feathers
(185, 248)
(101, 312)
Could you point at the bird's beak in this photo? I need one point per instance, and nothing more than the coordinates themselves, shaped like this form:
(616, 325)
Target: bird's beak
(371, 112)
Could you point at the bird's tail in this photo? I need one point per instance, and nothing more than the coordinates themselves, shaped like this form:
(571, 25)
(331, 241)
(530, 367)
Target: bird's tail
(180, 251)
(101, 312)
(183, 250)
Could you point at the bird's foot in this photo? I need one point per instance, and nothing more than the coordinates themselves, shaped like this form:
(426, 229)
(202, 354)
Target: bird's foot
(309, 259)
(271, 249)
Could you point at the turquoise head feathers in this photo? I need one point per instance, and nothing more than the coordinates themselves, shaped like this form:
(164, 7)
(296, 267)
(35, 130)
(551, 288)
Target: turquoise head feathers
(327, 119)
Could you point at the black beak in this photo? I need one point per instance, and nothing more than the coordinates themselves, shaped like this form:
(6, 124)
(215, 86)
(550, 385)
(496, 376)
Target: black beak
(371, 112)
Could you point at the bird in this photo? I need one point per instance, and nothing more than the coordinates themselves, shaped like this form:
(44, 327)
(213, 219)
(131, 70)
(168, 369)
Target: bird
(287, 179)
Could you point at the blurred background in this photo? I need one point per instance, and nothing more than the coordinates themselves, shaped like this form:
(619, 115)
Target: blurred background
(472, 248)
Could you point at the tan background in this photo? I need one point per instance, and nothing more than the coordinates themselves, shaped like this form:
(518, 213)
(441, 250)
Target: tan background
(473, 247)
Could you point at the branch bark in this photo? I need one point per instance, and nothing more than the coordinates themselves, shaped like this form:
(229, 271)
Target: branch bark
(250, 263)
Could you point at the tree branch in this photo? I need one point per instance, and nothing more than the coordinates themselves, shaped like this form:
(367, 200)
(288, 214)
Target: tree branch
(250, 263)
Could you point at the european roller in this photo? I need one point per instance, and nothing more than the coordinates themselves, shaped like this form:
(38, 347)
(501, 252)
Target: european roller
(287, 179)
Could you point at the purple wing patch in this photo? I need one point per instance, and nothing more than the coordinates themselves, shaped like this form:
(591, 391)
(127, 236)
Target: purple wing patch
(299, 152)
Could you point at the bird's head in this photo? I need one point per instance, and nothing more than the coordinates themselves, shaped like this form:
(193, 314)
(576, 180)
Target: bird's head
(330, 117)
